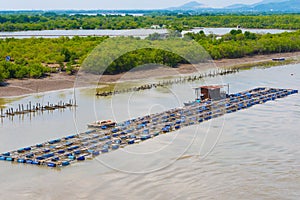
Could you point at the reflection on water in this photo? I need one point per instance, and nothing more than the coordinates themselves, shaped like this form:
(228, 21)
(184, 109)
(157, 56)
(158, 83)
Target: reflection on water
(130, 32)
(222, 31)
(6, 101)
(101, 32)
(256, 155)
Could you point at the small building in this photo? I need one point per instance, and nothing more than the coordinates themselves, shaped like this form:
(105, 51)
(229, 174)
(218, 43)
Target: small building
(155, 27)
(210, 92)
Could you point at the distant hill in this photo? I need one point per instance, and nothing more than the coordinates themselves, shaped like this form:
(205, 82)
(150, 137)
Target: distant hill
(285, 6)
(268, 1)
(235, 6)
(269, 5)
(193, 5)
(291, 5)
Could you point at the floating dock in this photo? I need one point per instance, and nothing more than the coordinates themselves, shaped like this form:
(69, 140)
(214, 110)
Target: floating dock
(79, 147)
(37, 108)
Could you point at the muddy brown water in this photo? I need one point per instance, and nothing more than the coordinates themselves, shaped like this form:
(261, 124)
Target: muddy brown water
(250, 154)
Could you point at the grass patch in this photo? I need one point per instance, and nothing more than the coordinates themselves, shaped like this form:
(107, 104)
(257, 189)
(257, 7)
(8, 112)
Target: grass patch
(263, 64)
(4, 101)
(108, 87)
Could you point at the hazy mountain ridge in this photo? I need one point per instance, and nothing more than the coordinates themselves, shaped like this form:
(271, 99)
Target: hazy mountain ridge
(193, 8)
(234, 6)
(263, 6)
(193, 5)
(273, 5)
(268, 1)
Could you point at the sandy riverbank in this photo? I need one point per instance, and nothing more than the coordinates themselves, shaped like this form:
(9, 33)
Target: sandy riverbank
(62, 81)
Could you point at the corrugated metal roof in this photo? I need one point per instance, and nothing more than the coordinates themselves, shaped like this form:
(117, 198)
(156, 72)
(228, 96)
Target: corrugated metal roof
(212, 87)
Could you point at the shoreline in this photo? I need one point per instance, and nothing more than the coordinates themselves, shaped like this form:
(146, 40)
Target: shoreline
(61, 81)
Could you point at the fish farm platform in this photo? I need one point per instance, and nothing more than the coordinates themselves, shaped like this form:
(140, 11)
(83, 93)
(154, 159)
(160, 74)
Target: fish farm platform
(79, 147)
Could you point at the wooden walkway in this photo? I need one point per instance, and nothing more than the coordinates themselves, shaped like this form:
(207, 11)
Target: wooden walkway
(37, 108)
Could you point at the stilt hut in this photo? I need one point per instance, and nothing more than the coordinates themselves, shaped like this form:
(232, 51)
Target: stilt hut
(212, 92)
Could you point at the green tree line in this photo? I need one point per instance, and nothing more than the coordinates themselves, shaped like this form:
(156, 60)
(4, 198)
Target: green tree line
(125, 53)
(51, 21)
(232, 45)
(34, 57)
(237, 44)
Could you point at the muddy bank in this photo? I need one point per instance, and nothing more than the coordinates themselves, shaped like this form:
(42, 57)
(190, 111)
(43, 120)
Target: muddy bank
(62, 81)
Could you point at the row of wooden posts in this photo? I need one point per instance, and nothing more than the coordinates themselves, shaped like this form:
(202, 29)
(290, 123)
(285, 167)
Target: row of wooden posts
(33, 108)
(219, 72)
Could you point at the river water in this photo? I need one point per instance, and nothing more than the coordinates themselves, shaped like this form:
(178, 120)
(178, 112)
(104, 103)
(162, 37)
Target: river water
(130, 32)
(250, 154)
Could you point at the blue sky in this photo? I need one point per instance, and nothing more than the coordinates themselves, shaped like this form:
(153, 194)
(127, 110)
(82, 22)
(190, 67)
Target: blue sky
(109, 4)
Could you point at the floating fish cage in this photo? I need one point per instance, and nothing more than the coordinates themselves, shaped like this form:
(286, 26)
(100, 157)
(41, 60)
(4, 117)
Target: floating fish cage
(79, 147)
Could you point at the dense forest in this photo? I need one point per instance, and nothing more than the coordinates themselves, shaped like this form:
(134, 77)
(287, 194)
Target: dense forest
(237, 44)
(34, 57)
(122, 54)
(172, 51)
(51, 21)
